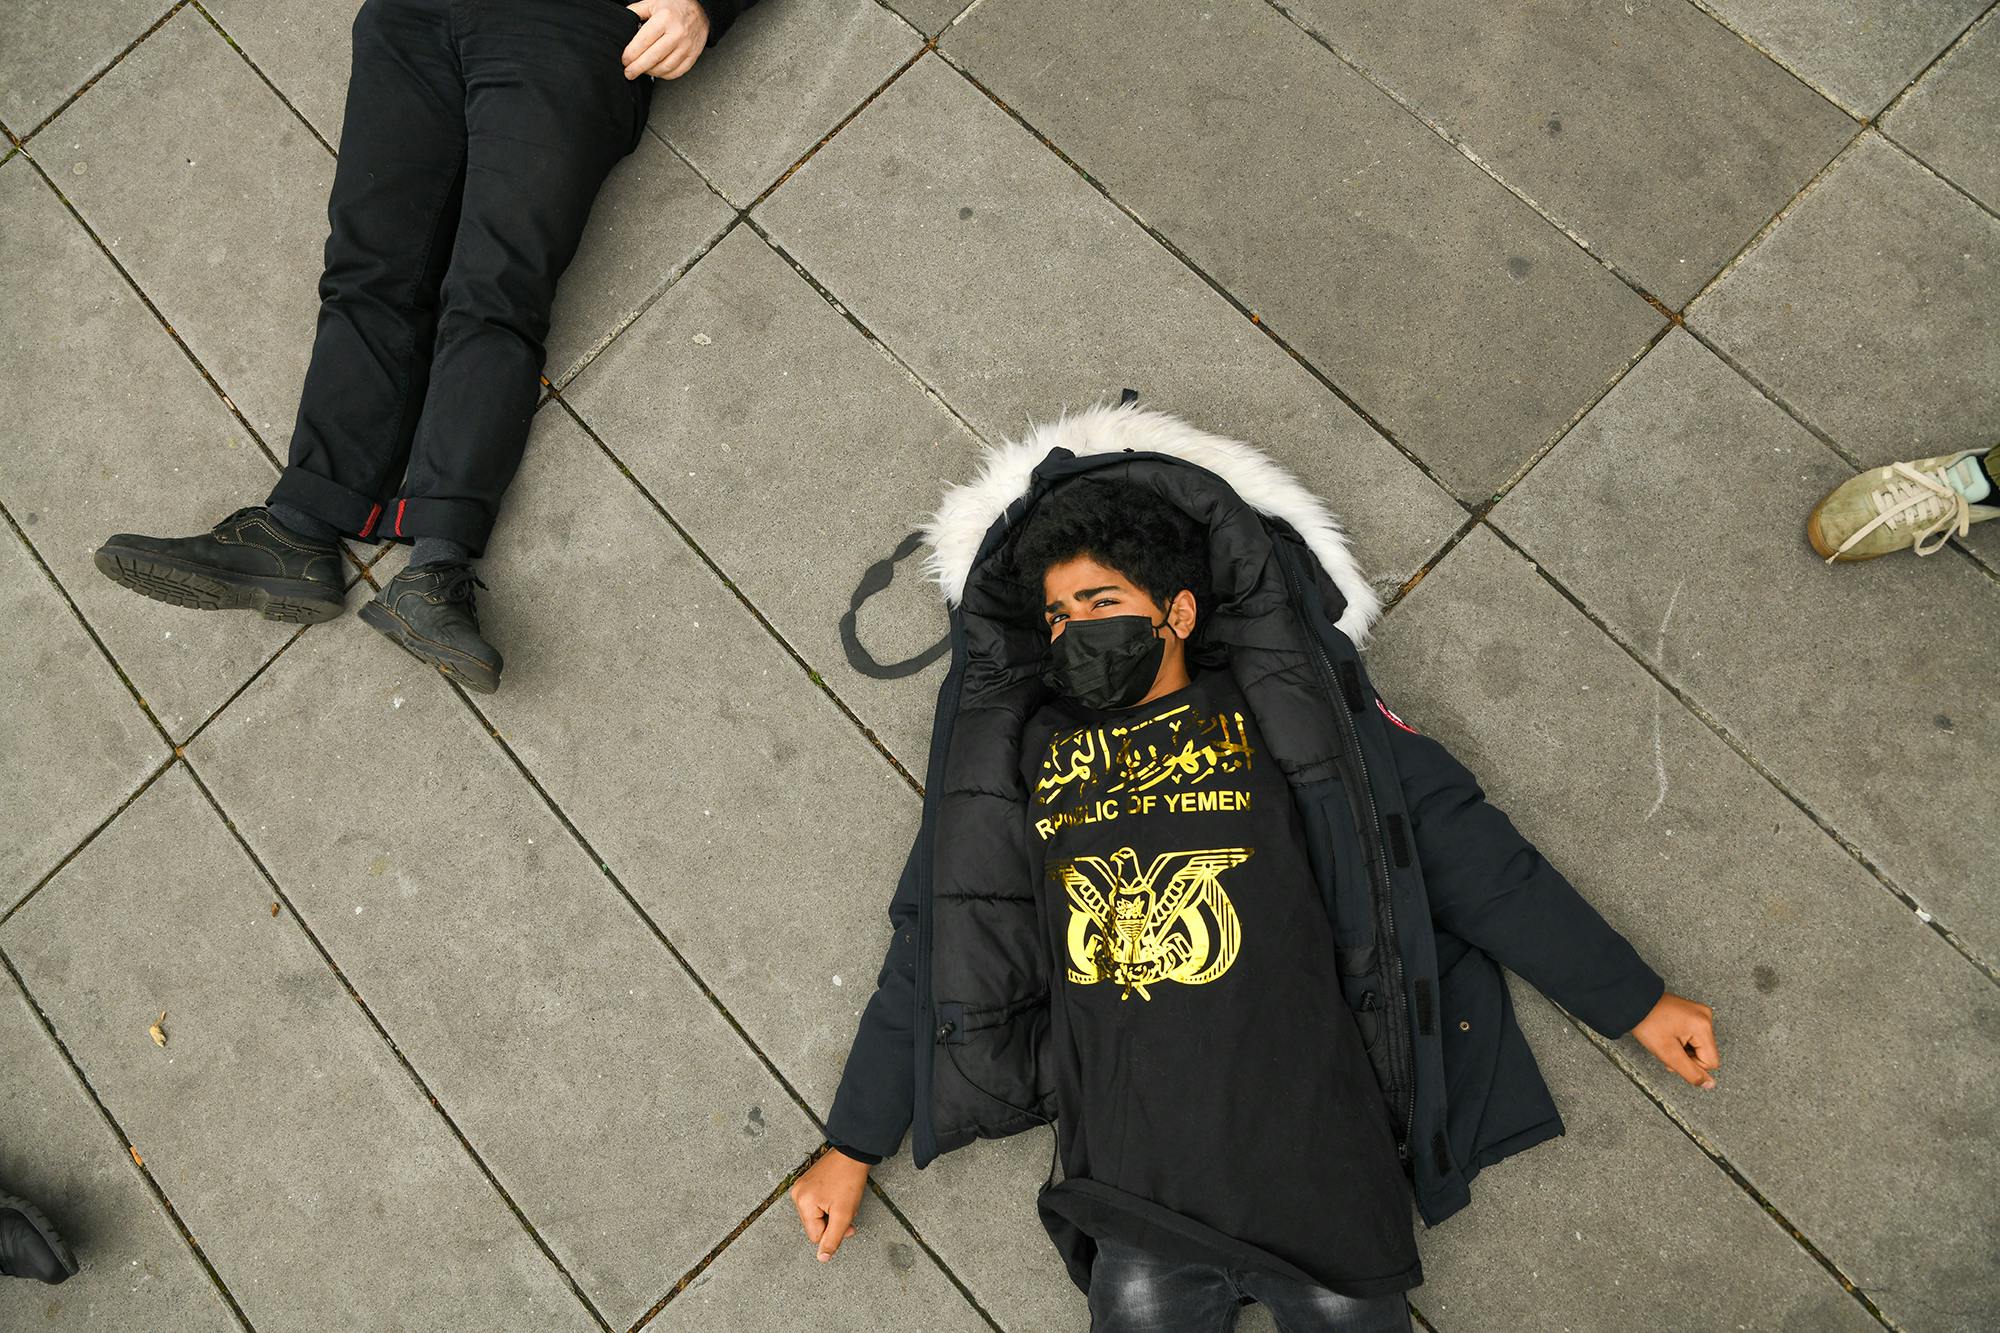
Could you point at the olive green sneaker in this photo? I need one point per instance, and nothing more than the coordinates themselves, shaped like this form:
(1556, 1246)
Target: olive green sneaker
(1920, 504)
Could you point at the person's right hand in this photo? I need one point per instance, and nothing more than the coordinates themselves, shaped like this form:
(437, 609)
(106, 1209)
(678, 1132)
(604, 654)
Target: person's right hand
(827, 1196)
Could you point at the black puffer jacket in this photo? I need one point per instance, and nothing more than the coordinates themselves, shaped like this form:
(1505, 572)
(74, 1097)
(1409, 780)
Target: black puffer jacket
(1431, 890)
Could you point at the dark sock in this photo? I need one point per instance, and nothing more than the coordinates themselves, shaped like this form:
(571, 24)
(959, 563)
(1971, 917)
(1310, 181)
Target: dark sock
(438, 551)
(1991, 462)
(301, 524)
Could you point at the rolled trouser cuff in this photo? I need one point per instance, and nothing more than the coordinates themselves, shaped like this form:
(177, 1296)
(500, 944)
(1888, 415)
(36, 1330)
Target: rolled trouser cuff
(355, 514)
(463, 521)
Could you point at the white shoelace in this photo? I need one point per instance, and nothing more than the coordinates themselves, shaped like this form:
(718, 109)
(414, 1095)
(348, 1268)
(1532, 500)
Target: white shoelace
(1926, 495)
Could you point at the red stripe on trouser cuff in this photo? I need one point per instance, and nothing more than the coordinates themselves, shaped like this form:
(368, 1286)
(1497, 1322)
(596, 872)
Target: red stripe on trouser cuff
(369, 526)
(399, 516)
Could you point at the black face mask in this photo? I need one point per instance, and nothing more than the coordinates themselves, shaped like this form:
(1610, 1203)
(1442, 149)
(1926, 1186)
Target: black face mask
(1108, 663)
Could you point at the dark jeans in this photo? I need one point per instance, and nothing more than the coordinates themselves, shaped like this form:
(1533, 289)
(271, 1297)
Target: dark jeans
(1132, 1291)
(476, 136)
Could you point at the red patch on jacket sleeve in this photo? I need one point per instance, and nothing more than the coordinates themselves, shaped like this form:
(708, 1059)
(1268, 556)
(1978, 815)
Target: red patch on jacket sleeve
(1393, 718)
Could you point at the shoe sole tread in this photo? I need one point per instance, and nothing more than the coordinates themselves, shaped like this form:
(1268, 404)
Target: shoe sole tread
(44, 1228)
(289, 601)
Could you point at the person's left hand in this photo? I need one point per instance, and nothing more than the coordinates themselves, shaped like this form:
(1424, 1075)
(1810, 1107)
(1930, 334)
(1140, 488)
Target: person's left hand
(669, 42)
(1681, 1034)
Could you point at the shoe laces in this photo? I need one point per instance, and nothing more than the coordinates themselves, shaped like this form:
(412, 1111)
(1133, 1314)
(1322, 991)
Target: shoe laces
(456, 585)
(1916, 497)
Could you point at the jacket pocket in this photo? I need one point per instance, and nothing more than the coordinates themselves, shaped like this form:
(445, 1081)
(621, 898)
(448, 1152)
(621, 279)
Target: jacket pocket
(1471, 1013)
(993, 1055)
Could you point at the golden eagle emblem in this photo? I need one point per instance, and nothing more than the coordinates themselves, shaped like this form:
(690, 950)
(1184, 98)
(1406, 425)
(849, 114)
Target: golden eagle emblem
(1125, 928)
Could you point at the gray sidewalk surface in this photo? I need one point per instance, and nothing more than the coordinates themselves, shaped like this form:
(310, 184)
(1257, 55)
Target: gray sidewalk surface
(520, 1012)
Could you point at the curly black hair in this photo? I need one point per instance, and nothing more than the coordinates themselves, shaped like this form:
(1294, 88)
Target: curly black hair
(1123, 526)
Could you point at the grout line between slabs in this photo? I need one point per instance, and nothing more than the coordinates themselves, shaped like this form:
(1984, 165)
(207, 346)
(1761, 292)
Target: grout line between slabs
(784, 1186)
(701, 1265)
(603, 865)
(1818, 179)
(652, 298)
(1707, 7)
(742, 214)
(1164, 242)
(1465, 150)
(243, 688)
(1950, 48)
(1953, 185)
(266, 79)
(131, 1150)
(1576, 419)
(1729, 738)
(935, 394)
(88, 838)
(1846, 455)
(382, 1031)
(895, 1210)
(1772, 1212)
(147, 301)
(109, 65)
(742, 598)
(35, 555)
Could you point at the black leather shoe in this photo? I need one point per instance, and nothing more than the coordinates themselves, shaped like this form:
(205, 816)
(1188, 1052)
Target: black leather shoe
(29, 1246)
(429, 610)
(247, 562)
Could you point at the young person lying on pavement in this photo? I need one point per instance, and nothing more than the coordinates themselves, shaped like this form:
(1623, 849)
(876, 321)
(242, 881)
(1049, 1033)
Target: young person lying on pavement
(1186, 889)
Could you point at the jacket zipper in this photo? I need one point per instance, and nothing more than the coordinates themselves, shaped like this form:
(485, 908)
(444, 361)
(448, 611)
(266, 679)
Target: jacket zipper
(1377, 872)
(926, 852)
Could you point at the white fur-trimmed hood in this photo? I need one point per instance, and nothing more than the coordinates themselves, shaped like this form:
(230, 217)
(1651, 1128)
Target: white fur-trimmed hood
(967, 512)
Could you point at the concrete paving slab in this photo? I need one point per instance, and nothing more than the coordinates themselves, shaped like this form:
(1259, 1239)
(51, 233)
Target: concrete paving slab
(976, 1208)
(745, 813)
(53, 49)
(135, 1270)
(75, 743)
(1014, 289)
(1584, 108)
(1858, 1048)
(651, 218)
(796, 454)
(768, 1278)
(930, 16)
(113, 431)
(213, 196)
(618, 1109)
(1620, 1223)
(302, 46)
(1846, 681)
(302, 1157)
(1951, 118)
(776, 85)
(1867, 310)
(1859, 52)
(1447, 308)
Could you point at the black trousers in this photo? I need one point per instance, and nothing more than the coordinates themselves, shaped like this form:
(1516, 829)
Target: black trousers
(476, 136)
(1133, 1291)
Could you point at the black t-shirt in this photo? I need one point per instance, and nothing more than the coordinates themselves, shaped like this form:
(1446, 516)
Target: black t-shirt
(1214, 1101)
